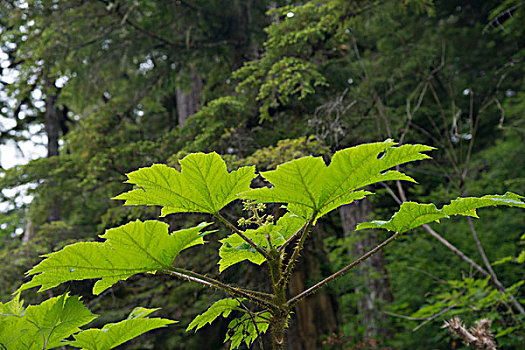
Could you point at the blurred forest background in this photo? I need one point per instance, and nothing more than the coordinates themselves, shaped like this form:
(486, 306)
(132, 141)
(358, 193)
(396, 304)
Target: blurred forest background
(109, 86)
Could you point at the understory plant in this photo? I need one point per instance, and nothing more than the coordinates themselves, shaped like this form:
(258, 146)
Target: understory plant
(306, 188)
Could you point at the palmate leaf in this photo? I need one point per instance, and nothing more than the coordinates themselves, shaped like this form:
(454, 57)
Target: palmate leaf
(203, 185)
(409, 216)
(114, 334)
(44, 325)
(467, 206)
(12, 325)
(241, 328)
(222, 308)
(247, 328)
(412, 215)
(308, 185)
(133, 248)
(234, 249)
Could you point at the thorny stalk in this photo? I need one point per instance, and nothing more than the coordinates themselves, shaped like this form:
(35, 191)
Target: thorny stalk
(298, 248)
(341, 272)
(254, 296)
(242, 235)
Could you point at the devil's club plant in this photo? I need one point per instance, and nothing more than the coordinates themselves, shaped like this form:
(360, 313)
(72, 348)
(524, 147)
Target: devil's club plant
(307, 187)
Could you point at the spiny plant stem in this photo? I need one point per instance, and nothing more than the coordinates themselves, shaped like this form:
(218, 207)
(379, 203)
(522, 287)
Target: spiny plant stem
(241, 234)
(341, 272)
(254, 296)
(296, 234)
(295, 255)
(278, 330)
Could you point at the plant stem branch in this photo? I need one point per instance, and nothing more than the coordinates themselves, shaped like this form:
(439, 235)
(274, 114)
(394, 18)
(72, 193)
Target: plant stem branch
(296, 234)
(482, 251)
(242, 235)
(295, 255)
(341, 272)
(254, 296)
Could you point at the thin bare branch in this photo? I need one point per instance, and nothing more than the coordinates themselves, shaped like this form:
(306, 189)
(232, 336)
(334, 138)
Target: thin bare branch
(493, 275)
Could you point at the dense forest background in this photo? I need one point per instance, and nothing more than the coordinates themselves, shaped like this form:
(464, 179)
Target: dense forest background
(114, 85)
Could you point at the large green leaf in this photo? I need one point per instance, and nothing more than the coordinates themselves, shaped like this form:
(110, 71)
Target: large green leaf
(234, 249)
(13, 327)
(409, 216)
(114, 334)
(43, 326)
(247, 328)
(308, 185)
(222, 308)
(241, 328)
(412, 215)
(133, 248)
(203, 185)
(467, 206)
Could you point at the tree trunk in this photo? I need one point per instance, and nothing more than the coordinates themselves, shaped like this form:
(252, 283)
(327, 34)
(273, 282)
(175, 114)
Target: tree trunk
(188, 100)
(52, 121)
(375, 287)
(316, 315)
(53, 118)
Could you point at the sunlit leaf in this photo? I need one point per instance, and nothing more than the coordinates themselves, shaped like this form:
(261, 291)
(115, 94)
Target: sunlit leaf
(467, 206)
(45, 325)
(412, 215)
(203, 185)
(308, 185)
(222, 308)
(133, 248)
(409, 216)
(114, 334)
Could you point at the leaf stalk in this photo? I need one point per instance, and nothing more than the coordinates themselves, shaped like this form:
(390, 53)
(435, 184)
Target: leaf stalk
(242, 235)
(314, 288)
(254, 296)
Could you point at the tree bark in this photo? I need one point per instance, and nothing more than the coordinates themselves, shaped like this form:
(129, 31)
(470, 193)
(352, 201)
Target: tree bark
(54, 120)
(375, 287)
(188, 101)
(316, 315)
